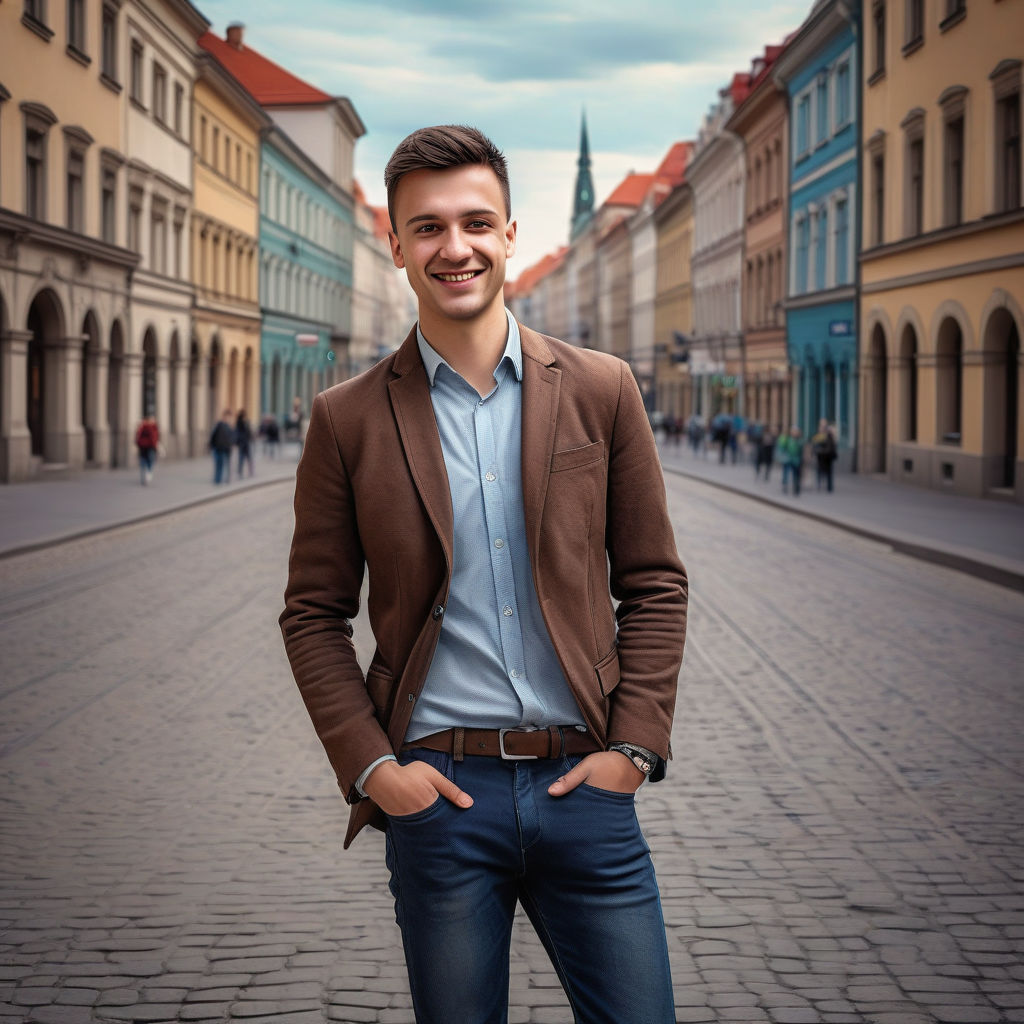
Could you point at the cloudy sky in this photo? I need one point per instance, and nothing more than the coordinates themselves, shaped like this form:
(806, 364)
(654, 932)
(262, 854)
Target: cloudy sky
(521, 71)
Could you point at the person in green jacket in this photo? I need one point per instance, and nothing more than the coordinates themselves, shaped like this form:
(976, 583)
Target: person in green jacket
(790, 453)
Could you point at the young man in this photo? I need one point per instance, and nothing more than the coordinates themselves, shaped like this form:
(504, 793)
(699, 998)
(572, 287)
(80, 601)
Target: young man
(501, 488)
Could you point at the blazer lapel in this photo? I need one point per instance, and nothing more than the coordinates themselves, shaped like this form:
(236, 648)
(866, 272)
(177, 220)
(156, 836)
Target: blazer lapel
(541, 382)
(414, 414)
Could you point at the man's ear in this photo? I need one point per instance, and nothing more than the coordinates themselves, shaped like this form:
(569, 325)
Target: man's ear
(510, 239)
(396, 251)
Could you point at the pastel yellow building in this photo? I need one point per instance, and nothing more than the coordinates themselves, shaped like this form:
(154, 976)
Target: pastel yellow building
(226, 124)
(64, 264)
(942, 268)
(673, 301)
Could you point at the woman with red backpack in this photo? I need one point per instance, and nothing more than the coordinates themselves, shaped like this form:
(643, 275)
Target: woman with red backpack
(147, 440)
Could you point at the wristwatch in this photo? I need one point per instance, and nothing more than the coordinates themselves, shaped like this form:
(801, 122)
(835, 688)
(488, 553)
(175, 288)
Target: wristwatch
(643, 758)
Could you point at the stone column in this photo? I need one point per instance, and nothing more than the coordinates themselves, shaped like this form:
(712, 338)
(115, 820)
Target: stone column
(200, 426)
(131, 402)
(96, 422)
(64, 436)
(163, 399)
(15, 440)
(181, 439)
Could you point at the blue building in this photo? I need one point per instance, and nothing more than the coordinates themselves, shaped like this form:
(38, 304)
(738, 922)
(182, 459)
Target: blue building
(819, 71)
(306, 239)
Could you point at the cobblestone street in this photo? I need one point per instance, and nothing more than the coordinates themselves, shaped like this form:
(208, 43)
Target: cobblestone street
(840, 836)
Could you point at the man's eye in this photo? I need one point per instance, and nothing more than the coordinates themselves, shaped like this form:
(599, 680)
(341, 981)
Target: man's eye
(478, 224)
(424, 228)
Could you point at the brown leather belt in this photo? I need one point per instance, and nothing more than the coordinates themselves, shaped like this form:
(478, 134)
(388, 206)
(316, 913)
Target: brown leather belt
(509, 744)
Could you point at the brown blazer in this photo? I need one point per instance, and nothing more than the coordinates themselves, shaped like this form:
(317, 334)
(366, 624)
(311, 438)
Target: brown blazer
(372, 490)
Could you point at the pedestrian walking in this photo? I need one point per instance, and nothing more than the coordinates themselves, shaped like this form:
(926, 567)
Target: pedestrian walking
(147, 441)
(790, 450)
(508, 715)
(824, 448)
(721, 431)
(270, 432)
(221, 440)
(696, 432)
(765, 453)
(243, 441)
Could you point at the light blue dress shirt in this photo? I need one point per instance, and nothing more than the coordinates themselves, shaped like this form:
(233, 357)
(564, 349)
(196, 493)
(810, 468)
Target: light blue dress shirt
(494, 666)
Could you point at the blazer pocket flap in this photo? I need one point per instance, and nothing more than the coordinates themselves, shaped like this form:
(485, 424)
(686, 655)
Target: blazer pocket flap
(573, 458)
(607, 670)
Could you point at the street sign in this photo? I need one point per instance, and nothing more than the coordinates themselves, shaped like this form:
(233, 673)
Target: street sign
(307, 340)
(840, 328)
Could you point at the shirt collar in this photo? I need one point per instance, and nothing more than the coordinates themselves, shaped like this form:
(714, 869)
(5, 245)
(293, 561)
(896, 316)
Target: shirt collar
(513, 351)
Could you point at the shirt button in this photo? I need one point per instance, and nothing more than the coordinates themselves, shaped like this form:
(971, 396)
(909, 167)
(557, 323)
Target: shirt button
(439, 611)
(514, 673)
(490, 477)
(507, 610)
(499, 543)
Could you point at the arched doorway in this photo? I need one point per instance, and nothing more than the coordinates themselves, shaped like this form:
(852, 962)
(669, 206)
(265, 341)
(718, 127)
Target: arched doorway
(234, 404)
(949, 361)
(90, 388)
(149, 373)
(172, 400)
(248, 369)
(195, 428)
(46, 326)
(273, 403)
(1002, 398)
(908, 384)
(878, 397)
(115, 404)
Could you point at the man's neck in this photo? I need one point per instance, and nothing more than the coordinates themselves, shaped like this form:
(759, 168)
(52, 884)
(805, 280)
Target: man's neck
(472, 348)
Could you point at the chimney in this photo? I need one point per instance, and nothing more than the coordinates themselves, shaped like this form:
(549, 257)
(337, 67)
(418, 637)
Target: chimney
(235, 30)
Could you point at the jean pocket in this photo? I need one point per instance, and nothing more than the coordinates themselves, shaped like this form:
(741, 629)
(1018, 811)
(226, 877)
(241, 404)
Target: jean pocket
(428, 811)
(611, 793)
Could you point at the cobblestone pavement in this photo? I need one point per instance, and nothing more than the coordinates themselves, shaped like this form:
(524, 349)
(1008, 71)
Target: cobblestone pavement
(840, 838)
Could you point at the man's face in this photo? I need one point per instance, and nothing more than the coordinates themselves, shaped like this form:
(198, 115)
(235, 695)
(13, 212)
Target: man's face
(453, 239)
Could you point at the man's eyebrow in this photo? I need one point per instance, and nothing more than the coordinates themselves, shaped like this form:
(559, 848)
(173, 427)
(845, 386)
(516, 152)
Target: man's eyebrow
(466, 213)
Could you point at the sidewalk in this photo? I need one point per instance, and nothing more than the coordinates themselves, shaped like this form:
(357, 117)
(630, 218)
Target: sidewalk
(979, 536)
(44, 512)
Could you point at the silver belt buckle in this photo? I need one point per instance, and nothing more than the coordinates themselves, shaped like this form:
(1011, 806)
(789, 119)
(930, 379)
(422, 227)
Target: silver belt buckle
(505, 755)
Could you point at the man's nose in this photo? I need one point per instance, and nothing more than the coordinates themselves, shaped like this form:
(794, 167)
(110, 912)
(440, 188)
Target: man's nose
(456, 247)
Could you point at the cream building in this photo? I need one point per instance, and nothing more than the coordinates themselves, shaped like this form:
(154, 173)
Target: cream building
(717, 175)
(66, 354)
(942, 268)
(673, 302)
(223, 368)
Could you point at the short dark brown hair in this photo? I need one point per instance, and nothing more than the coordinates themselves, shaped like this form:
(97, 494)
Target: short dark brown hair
(439, 148)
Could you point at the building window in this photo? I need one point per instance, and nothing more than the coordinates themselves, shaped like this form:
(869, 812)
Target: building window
(159, 93)
(956, 11)
(913, 189)
(108, 204)
(179, 107)
(842, 243)
(74, 190)
(108, 43)
(878, 199)
(135, 219)
(248, 172)
(34, 17)
(878, 21)
(202, 137)
(35, 172)
(821, 248)
(913, 37)
(954, 160)
(76, 25)
(215, 148)
(803, 125)
(1007, 80)
(135, 80)
(179, 233)
(821, 103)
(842, 99)
(158, 237)
(803, 242)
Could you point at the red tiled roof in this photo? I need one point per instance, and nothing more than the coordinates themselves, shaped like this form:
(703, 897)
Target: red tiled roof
(357, 193)
(630, 191)
(268, 83)
(381, 221)
(536, 273)
(672, 169)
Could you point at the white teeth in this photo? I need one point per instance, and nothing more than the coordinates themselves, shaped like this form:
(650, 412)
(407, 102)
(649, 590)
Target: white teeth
(457, 277)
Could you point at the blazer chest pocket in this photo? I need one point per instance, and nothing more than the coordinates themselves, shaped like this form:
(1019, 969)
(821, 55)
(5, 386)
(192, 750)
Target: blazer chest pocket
(575, 458)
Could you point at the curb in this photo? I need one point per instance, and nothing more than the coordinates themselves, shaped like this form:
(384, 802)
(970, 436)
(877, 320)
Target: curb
(91, 531)
(1003, 576)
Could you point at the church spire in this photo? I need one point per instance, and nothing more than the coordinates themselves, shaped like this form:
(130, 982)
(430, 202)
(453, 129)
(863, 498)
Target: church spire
(583, 202)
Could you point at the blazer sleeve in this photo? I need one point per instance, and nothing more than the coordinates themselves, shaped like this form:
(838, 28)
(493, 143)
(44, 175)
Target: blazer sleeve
(325, 574)
(647, 578)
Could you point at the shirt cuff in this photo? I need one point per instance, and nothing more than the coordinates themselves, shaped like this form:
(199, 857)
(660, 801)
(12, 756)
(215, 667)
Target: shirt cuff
(366, 771)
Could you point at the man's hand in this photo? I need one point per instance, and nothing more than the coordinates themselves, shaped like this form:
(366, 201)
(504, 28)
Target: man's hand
(405, 789)
(607, 769)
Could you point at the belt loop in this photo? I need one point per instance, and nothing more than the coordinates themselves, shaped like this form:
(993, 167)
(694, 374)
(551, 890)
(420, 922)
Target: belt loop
(458, 743)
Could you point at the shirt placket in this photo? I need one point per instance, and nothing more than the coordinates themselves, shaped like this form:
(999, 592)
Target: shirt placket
(509, 622)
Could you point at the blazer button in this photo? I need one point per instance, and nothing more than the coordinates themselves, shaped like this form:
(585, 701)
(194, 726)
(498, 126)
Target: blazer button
(438, 612)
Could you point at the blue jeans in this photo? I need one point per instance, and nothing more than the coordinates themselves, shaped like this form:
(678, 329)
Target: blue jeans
(221, 466)
(578, 864)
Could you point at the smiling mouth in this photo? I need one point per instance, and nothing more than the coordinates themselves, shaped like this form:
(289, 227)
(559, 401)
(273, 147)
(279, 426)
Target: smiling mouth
(464, 275)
